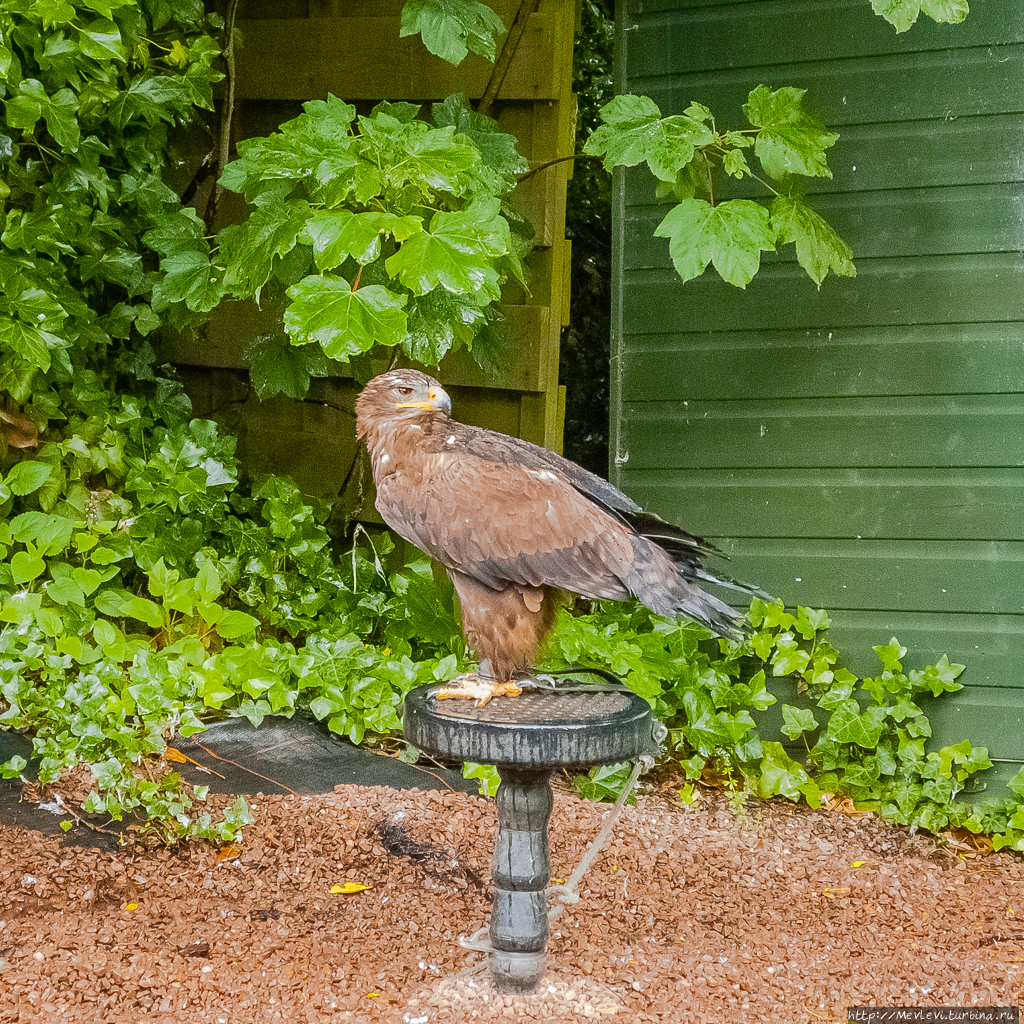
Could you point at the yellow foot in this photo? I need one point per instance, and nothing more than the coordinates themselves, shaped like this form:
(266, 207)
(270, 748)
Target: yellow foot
(479, 688)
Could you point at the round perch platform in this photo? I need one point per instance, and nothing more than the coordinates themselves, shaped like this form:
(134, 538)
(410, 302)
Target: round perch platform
(527, 738)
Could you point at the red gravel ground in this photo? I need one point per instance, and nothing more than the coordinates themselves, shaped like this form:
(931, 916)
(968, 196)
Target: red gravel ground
(696, 914)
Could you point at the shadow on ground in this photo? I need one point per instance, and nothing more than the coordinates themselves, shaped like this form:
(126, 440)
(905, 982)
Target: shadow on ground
(233, 757)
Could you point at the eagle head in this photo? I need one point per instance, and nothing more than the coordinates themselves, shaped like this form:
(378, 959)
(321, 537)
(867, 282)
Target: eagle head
(398, 395)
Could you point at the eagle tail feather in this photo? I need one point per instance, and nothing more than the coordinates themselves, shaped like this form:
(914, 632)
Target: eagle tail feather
(668, 586)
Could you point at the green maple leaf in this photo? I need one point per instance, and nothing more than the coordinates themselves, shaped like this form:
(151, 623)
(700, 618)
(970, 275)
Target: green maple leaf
(276, 367)
(901, 14)
(456, 253)
(730, 235)
(499, 149)
(344, 322)
(790, 140)
(635, 132)
(337, 234)
(250, 249)
(451, 28)
(189, 277)
(179, 232)
(440, 321)
(818, 248)
(414, 154)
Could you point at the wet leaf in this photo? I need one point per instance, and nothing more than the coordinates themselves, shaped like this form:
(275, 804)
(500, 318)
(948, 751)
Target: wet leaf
(348, 888)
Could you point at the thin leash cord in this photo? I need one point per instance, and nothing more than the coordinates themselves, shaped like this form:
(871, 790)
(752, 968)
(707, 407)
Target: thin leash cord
(565, 893)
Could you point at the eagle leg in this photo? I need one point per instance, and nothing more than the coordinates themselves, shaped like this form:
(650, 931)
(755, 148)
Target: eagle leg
(480, 688)
(503, 627)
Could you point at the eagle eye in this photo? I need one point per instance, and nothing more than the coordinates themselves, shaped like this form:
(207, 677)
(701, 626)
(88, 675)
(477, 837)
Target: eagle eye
(404, 391)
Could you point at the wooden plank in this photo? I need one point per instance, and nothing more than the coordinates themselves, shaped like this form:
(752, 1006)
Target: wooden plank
(363, 58)
(711, 37)
(526, 336)
(896, 222)
(992, 717)
(989, 645)
(896, 155)
(958, 289)
(950, 504)
(940, 86)
(926, 359)
(920, 576)
(955, 430)
(527, 330)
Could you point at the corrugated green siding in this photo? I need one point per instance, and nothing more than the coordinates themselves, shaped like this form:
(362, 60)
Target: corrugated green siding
(858, 447)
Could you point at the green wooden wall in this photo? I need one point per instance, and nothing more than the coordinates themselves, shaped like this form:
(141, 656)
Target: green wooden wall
(859, 447)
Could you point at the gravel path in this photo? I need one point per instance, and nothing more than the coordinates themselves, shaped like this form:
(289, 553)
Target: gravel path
(774, 914)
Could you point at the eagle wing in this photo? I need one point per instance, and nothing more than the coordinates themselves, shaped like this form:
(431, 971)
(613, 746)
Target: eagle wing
(497, 520)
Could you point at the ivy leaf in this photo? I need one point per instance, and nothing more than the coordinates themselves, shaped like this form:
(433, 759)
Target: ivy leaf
(101, 39)
(890, 655)
(789, 657)
(60, 112)
(970, 759)
(150, 98)
(818, 248)
(31, 343)
(901, 14)
(790, 140)
(344, 322)
(845, 725)
(730, 235)
(451, 28)
(106, 7)
(797, 720)
(780, 774)
(54, 12)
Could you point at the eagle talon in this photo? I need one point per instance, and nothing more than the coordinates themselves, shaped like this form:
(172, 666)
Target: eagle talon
(478, 688)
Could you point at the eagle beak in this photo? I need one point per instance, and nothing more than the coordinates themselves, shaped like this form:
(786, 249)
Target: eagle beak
(437, 398)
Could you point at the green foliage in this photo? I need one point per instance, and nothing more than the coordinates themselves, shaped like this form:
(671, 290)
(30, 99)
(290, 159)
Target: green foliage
(903, 13)
(451, 28)
(685, 151)
(172, 595)
(90, 94)
(374, 230)
(145, 589)
(862, 738)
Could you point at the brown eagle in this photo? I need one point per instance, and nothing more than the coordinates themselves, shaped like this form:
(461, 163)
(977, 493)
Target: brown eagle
(515, 524)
